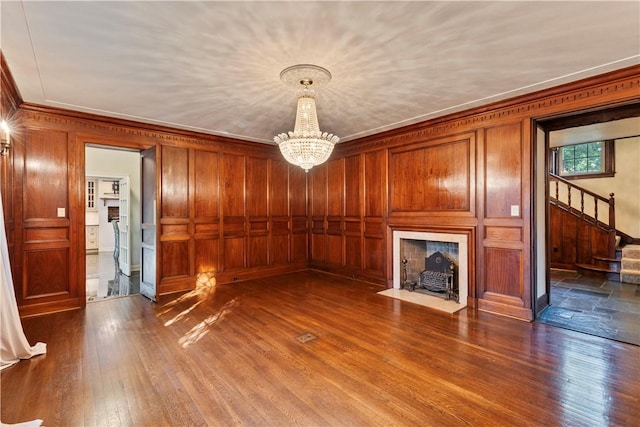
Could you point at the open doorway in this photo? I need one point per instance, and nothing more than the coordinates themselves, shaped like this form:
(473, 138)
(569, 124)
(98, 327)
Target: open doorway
(585, 279)
(112, 220)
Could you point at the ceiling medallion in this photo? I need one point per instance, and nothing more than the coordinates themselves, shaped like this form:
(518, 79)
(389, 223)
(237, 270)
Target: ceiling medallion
(306, 146)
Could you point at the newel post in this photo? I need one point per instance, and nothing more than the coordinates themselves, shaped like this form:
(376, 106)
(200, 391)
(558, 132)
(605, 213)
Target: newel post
(612, 225)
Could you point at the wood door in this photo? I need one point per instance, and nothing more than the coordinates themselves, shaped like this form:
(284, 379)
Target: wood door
(124, 223)
(148, 203)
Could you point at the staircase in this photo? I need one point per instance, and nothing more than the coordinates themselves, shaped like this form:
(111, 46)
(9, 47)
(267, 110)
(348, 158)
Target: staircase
(586, 242)
(630, 263)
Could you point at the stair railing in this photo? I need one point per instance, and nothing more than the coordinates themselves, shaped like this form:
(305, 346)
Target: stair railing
(609, 228)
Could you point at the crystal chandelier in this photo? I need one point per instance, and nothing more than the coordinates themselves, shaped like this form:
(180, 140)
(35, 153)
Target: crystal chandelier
(306, 146)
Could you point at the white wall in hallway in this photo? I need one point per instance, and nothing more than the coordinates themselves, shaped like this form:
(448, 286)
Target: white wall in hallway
(107, 162)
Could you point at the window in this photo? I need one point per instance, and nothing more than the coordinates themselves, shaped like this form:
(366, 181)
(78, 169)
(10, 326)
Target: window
(586, 160)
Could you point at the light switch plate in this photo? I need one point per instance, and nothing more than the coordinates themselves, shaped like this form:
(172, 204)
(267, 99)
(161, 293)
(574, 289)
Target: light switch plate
(61, 212)
(515, 210)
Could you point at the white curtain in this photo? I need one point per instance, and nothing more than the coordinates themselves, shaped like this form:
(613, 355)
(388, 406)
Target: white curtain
(13, 343)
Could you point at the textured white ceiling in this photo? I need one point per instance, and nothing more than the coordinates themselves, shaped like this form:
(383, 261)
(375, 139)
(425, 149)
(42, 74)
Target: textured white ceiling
(214, 66)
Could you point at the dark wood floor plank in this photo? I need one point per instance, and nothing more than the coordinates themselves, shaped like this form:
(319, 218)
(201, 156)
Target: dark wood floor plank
(228, 355)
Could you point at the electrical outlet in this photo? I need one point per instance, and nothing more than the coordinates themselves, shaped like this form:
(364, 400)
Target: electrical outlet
(61, 212)
(515, 210)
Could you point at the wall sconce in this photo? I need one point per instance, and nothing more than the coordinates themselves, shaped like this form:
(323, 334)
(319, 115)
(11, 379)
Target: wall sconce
(5, 138)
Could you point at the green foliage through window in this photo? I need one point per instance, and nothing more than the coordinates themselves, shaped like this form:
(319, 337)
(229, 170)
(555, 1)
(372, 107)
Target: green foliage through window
(580, 159)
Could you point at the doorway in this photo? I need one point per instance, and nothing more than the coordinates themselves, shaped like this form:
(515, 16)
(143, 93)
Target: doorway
(568, 294)
(112, 221)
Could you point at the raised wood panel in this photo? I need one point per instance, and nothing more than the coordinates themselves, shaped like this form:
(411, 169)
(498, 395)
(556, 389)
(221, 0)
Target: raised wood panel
(334, 249)
(206, 195)
(45, 273)
(374, 227)
(258, 225)
(175, 231)
(431, 178)
(318, 247)
(233, 226)
(318, 177)
(317, 225)
(258, 249)
(298, 191)
(334, 226)
(335, 187)
(569, 239)
(352, 186)
(573, 240)
(206, 255)
(352, 228)
(503, 272)
(279, 189)
(257, 186)
(299, 247)
(175, 182)
(353, 252)
(374, 254)
(299, 224)
(279, 249)
(503, 170)
(279, 226)
(234, 253)
(46, 163)
(232, 182)
(504, 233)
(38, 235)
(375, 171)
(206, 230)
(175, 259)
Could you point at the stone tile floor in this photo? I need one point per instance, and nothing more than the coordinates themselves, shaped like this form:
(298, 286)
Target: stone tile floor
(594, 306)
(105, 281)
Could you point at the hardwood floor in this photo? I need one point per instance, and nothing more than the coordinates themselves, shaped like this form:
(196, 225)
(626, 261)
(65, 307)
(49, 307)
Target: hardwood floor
(228, 355)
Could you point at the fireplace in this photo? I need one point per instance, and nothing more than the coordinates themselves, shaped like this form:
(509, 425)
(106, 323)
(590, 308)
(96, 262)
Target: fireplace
(417, 249)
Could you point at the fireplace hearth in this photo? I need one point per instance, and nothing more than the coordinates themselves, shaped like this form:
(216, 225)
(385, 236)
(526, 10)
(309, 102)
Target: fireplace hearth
(434, 264)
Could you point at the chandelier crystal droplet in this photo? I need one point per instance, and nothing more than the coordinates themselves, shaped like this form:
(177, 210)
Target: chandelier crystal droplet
(307, 146)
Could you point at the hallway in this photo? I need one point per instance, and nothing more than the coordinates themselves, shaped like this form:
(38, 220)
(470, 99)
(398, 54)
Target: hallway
(594, 306)
(104, 280)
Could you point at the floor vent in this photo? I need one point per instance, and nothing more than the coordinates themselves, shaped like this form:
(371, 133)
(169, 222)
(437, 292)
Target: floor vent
(306, 337)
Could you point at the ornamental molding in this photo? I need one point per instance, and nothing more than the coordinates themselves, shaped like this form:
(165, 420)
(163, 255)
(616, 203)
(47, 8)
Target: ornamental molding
(551, 104)
(100, 128)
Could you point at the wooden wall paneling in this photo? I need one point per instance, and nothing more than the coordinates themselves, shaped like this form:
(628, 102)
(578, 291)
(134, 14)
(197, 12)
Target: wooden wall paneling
(298, 197)
(176, 227)
(318, 190)
(279, 191)
(353, 209)
(375, 210)
(234, 251)
(256, 187)
(279, 219)
(299, 250)
(206, 212)
(233, 185)
(175, 182)
(503, 170)
(375, 183)
(353, 186)
(46, 229)
(504, 274)
(335, 211)
(431, 176)
(256, 203)
(299, 239)
(376, 263)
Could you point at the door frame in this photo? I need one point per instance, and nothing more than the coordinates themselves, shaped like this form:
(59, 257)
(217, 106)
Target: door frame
(85, 141)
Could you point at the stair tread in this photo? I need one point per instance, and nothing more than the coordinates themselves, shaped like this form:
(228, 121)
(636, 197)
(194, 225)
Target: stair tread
(593, 267)
(602, 258)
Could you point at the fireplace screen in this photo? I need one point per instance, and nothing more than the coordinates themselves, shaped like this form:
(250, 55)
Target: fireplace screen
(438, 276)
